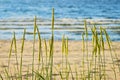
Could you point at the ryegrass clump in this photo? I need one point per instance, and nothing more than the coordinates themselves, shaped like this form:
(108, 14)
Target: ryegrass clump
(93, 64)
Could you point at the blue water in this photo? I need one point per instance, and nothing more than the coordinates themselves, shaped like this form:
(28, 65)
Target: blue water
(63, 8)
(15, 15)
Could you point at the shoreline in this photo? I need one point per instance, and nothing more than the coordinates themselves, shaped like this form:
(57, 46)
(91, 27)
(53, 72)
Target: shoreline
(58, 21)
(73, 28)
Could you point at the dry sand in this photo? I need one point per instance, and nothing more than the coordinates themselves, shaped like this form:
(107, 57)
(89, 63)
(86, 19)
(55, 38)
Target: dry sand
(74, 57)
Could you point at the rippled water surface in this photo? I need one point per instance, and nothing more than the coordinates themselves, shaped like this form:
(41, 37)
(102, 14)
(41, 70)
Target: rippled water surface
(63, 8)
(72, 28)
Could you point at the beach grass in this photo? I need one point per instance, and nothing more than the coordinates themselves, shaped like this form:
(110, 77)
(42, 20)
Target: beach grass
(92, 66)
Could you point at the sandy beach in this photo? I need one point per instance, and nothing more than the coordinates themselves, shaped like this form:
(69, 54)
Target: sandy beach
(52, 32)
(75, 55)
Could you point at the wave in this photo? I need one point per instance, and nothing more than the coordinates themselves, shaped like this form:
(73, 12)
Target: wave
(62, 21)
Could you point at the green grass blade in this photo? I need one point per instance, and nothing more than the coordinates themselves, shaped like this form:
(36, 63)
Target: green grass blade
(10, 52)
(23, 40)
(52, 45)
(33, 55)
(86, 30)
(15, 45)
(22, 53)
(1, 78)
(7, 74)
(39, 76)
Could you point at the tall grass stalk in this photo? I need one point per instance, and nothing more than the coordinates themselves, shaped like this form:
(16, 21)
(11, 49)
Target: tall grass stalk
(65, 55)
(87, 57)
(10, 52)
(96, 53)
(46, 50)
(22, 48)
(23, 40)
(1, 77)
(63, 51)
(109, 45)
(15, 46)
(76, 71)
(27, 73)
(51, 46)
(68, 68)
(47, 65)
(102, 46)
(93, 49)
(83, 60)
(33, 55)
(7, 74)
(40, 55)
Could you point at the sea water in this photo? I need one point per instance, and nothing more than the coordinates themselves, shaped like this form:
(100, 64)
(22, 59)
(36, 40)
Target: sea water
(15, 15)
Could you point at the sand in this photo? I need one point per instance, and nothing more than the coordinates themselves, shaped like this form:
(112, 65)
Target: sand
(74, 57)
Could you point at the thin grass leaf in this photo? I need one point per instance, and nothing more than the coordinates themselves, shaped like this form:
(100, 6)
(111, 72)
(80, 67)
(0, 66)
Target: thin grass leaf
(83, 43)
(110, 47)
(22, 48)
(11, 48)
(83, 51)
(71, 71)
(23, 40)
(10, 52)
(33, 55)
(15, 42)
(45, 48)
(86, 30)
(35, 25)
(40, 55)
(86, 33)
(66, 46)
(52, 46)
(107, 38)
(102, 45)
(52, 19)
(101, 38)
(27, 73)
(1, 78)
(76, 71)
(40, 43)
(39, 76)
(7, 74)
(15, 46)
(63, 44)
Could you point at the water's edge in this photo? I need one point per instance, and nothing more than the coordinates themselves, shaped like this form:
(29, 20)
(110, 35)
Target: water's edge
(73, 28)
